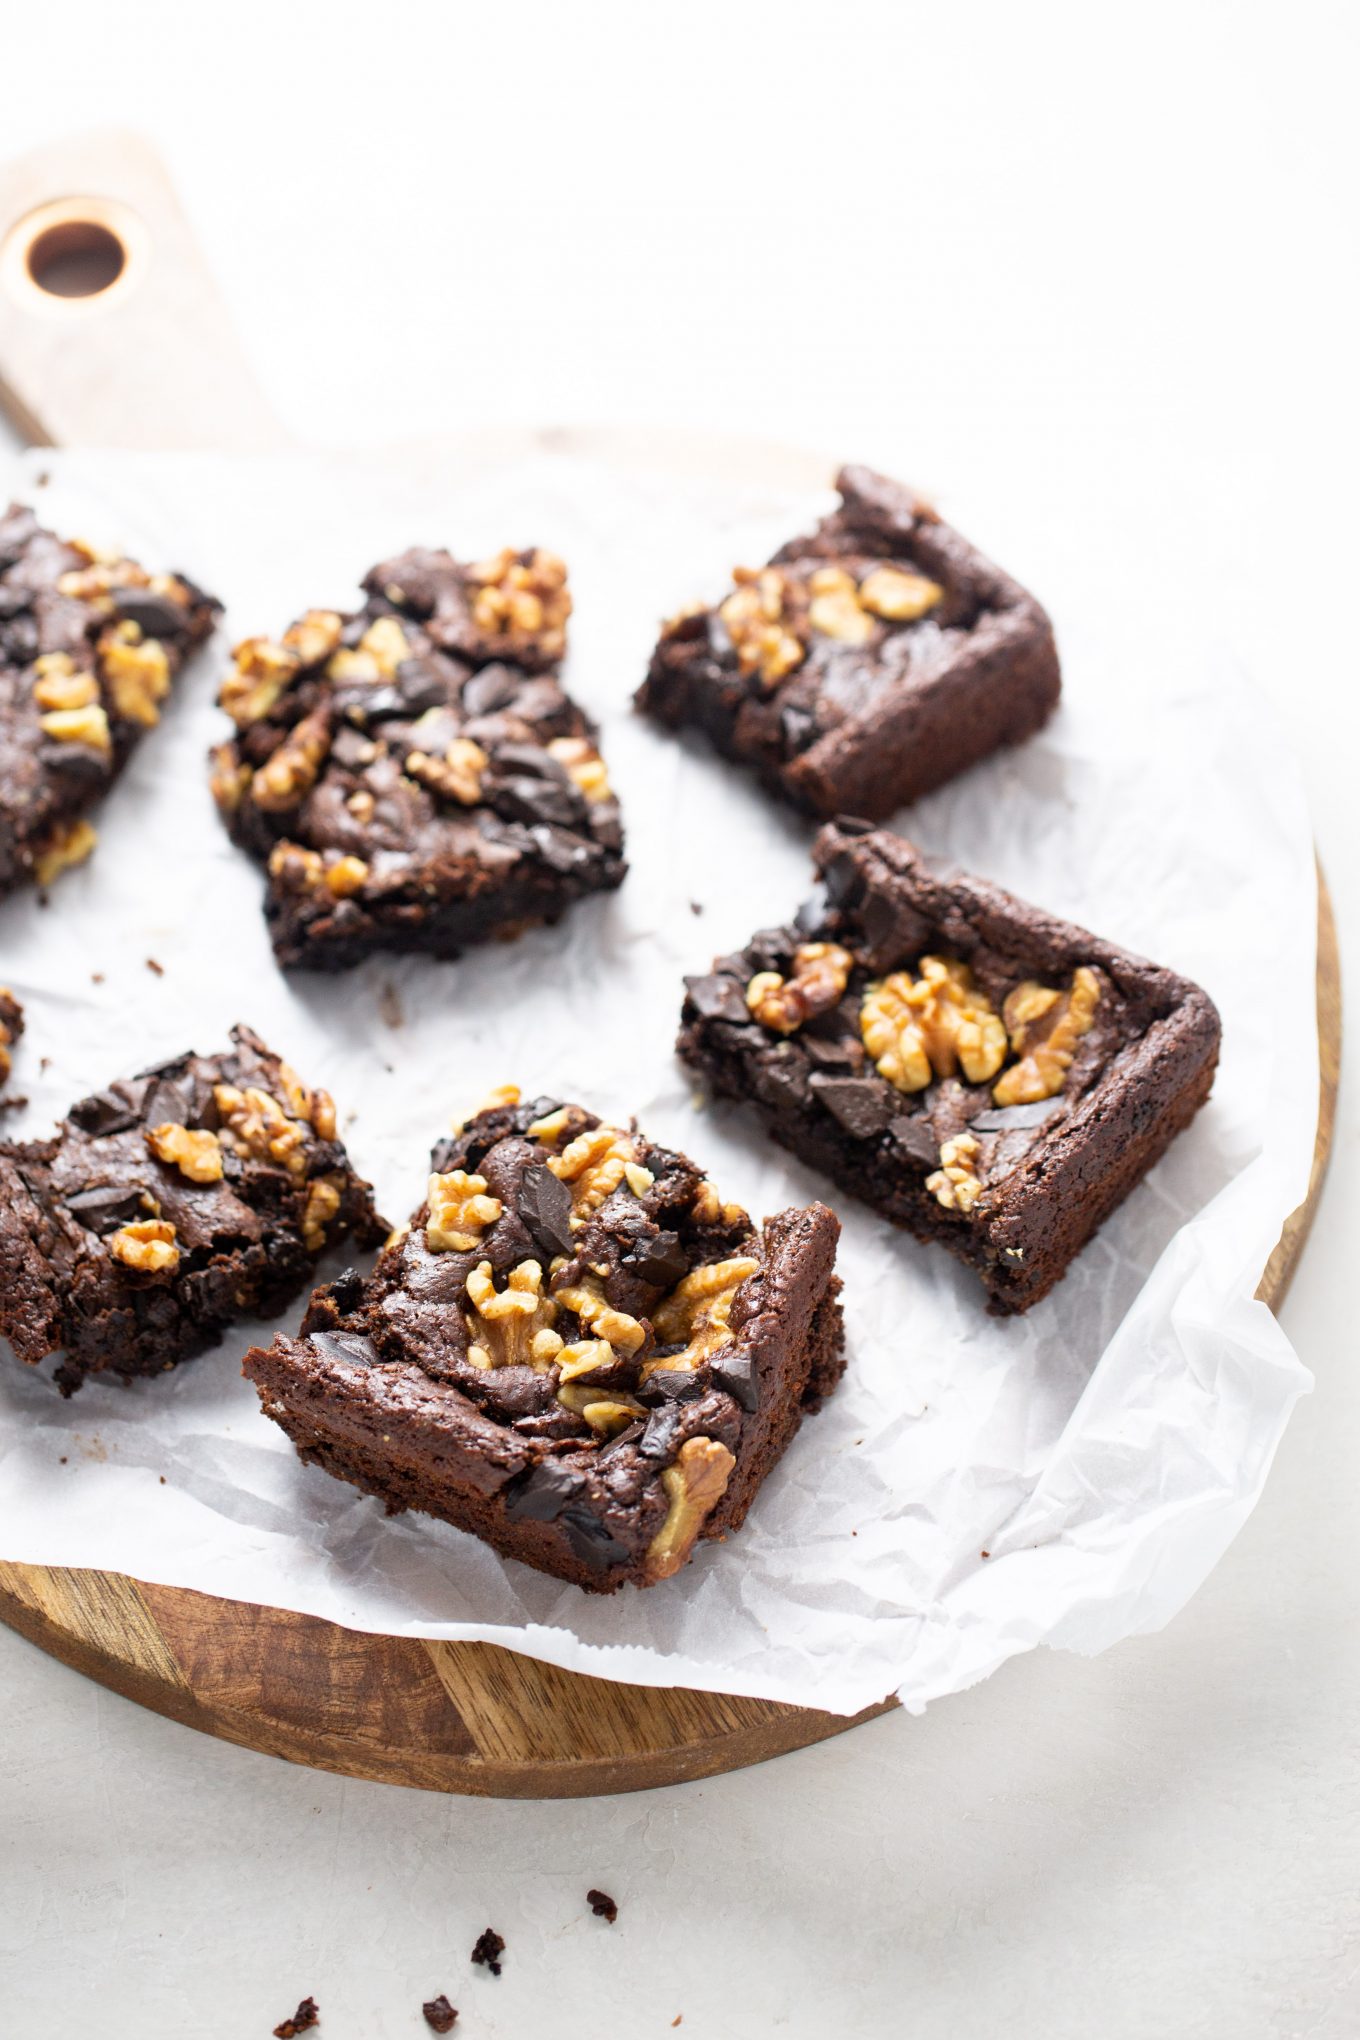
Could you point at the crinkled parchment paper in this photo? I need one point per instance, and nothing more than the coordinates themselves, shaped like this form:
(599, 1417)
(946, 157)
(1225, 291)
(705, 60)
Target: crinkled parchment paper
(975, 1487)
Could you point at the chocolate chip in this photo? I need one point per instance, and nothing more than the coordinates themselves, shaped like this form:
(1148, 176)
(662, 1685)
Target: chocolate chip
(105, 1112)
(157, 615)
(862, 1105)
(660, 1262)
(544, 1204)
(732, 1368)
(347, 1290)
(541, 1494)
(718, 998)
(104, 1207)
(916, 1140)
(351, 1347)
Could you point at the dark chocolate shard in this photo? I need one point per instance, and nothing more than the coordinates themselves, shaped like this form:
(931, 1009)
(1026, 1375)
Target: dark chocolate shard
(541, 1494)
(591, 1539)
(731, 1368)
(916, 1139)
(103, 1112)
(658, 1439)
(105, 1206)
(1013, 1118)
(544, 1204)
(718, 998)
(660, 1262)
(862, 1105)
(351, 1347)
(157, 615)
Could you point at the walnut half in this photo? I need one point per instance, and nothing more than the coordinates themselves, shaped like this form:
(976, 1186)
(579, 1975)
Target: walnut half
(147, 1245)
(1045, 1027)
(694, 1485)
(821, 971)
(931, 1026)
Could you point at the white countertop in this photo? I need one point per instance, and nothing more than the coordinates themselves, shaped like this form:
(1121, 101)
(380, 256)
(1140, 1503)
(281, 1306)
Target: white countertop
(1118, 257)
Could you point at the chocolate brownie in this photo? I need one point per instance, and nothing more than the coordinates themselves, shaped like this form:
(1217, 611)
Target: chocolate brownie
(575, 1350)
(866, 664)
(200, 1191)
(89, 645)
(413, 775)
(977, 1071)
(11, 1027)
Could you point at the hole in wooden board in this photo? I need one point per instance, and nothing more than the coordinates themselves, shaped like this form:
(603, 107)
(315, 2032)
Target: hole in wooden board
(76, 259)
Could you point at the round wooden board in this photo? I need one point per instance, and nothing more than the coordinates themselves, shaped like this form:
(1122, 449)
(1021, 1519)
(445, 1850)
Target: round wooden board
(157, 350)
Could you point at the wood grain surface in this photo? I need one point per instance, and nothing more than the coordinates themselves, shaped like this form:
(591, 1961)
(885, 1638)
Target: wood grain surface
(151, 362)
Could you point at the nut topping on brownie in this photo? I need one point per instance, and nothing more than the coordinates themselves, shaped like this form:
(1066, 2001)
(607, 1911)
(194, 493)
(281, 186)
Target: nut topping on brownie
(575, 1350)
(414, 776)
(866, 663)
(90, 643)
(981, 1073)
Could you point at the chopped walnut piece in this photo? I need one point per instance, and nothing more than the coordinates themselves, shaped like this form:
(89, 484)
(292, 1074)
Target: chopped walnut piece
(583, 1356)
(709, 1209)
(256, 1124)
(361, 805)
(821, 971)
(286, 779)
(694, 1485)
(607, 1414)
(698, 1309)
(956, 1184)
(764, 619)
(460, 1210)
(137, 671)
(1045, 1027)
(263, 671)
(314, 636)
(88, 725)
(69, 844)
(457, 774)
(931, 1026)
(584, 766)
(230, 778)
(505, 1322)
(898, 597)
(346, 876)
(594, 1164)
(600, 1318)
(834, 610)
(323, 1201)
(550, 1129)
(147, 1245)
(386, 644)
(295, 868)
(523, 595)
(194, 1151)
(59, 683)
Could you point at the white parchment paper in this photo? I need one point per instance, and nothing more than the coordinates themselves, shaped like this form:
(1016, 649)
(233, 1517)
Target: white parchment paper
(975, 1487)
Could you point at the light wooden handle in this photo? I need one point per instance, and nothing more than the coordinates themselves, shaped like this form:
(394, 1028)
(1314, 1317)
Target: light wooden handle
(146, 357)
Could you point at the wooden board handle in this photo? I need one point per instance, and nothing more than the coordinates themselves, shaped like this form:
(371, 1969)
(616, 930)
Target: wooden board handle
(112, 331)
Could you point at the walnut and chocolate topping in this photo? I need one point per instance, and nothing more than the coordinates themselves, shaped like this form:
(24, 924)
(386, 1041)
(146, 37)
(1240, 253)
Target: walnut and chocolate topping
(90, 643)
(610, 1352)
(413, 775)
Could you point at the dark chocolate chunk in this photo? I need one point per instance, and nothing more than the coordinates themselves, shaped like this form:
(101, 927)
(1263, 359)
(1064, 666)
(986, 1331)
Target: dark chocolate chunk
(540, 1495)
(488, 1949)
(346, 1290)
(593, 1542)
(658, 1439)
(544, 1204)
(659, 1261)
(731, 1368)
(718, 998)
(916, 1138)
(676, 1384)
(493, 688)
(157, 615)
(106, 1112)
(863, 1105)
(105, 1206)
(1014, 1118)
(349, 1346)
(537, 800)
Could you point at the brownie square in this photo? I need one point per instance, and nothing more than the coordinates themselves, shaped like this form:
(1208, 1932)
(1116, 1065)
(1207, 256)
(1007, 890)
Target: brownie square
(413, 775)
(867, 663)
(171, 1204)
(575, 1350)
(90, 643)
(977, 1071)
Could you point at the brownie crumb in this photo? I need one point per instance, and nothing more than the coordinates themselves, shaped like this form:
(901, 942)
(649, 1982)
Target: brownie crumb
(440, 2014)
(304, 2018)
(390, 1010)
(678, 2017)
(489, 1949)
(15, 1104)
(96, 977)
(696, 906)
(157, 969)
(602, 1905)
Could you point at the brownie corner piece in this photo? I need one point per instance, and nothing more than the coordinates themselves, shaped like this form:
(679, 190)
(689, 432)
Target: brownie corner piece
(90, 644)
(866, 663)
(575, 1350)
(974, 1069)
(414, 775)
(200, 1191)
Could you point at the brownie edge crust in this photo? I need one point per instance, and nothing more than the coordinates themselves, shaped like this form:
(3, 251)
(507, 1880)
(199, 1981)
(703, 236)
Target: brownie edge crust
(575, 1351)
(977, 1071)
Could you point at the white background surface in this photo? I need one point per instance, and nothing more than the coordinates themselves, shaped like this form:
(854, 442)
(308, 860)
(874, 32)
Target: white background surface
(1115, 253)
